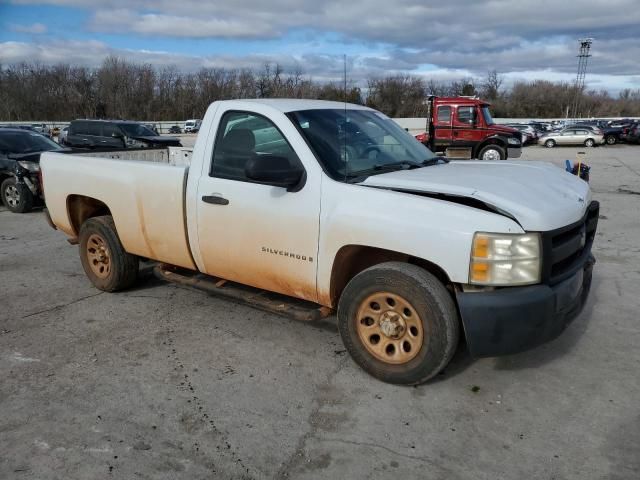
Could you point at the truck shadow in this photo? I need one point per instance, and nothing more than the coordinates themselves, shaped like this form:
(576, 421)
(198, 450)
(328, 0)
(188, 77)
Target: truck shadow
(559, 347)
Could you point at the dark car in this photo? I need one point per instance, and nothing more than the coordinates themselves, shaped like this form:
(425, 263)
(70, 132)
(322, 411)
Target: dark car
(633, 134)
(175, 129)
(20, 151)
(115, 135)
(21, 127)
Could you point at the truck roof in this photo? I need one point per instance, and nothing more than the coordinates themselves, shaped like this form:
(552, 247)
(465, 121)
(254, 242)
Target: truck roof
(475, 101)
(295, 104)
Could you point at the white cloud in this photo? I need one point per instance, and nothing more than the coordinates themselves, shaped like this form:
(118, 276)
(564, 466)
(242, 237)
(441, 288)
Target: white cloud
(34, 28)
(515, 38)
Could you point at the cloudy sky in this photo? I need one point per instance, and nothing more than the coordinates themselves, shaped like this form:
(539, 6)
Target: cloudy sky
(445, 40)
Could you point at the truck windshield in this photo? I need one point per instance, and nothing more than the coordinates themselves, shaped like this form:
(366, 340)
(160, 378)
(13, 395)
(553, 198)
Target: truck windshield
(137, 130)
(488, 119)
(355, 143)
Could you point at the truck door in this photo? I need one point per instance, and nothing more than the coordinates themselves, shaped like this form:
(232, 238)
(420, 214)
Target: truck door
(442, 127)
(253, 233)
(465, 133)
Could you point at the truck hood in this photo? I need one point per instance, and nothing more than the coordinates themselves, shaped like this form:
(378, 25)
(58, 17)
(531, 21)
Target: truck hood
(504, 129)
(538, 195)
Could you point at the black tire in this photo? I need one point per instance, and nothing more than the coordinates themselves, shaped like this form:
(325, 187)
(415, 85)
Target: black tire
(611, 139)
(494, 150)
(589, 142)
(550, 143)
(432, 303)
(122, 266)
(16, 196)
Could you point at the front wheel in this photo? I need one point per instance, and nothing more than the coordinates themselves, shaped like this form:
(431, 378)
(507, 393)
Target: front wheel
(492, 152)
(16, 196)
(589, 142)
(611, 140)
(399, 323)
(106, 263)
(549, 144)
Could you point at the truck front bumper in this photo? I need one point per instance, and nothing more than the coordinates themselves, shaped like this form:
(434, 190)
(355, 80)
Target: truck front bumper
(515, 319)
(514, 152)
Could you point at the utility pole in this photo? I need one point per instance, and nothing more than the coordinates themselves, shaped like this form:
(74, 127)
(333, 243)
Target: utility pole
(583, 57)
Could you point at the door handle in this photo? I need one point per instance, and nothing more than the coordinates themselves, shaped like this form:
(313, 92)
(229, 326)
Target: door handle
(215, 200)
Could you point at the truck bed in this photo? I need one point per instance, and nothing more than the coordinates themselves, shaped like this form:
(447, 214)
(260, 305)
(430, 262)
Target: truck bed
(145, 198)
(180, 156)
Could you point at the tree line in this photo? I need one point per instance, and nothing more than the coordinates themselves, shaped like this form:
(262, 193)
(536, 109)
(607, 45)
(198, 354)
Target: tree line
(122, 89)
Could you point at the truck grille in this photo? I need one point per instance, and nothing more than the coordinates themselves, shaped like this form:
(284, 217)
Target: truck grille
(566, 249)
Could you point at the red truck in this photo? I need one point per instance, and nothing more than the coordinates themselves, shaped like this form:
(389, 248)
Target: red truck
(462, 127)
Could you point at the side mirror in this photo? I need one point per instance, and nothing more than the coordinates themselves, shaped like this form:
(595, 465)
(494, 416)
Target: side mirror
(273, 170)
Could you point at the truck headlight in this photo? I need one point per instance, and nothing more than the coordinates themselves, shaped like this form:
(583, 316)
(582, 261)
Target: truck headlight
(513, 141)
(31, 166)
(500, 259)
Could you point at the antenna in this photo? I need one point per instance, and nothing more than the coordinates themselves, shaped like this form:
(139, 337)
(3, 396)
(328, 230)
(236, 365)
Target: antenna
(344, 126)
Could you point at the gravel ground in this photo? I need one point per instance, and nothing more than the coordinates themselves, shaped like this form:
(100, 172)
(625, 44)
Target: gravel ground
(164, 382)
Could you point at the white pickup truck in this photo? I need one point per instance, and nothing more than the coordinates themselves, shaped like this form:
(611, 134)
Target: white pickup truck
(336, 208)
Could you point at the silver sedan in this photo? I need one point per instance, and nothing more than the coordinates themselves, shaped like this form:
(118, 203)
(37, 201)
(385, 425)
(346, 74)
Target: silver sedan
(572, 136)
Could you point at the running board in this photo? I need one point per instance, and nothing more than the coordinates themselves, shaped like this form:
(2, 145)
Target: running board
(297, 309)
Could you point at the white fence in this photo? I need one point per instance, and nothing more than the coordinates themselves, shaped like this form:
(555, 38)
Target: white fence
(414, 125)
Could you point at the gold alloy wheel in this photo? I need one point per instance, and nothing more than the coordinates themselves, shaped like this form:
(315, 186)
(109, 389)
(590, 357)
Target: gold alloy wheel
(98, 256)
(389, 327)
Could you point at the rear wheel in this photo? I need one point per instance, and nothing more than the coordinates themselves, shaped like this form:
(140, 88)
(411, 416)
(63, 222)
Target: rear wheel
(399, 323)
(106, 263)
(16, 196)
(492, 152)
(550, 143)
(589, 142)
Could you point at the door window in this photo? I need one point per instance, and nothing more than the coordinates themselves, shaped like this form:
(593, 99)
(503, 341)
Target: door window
(108, 129)
(93, 128)
(466, 114)
(444, 115)
(78, 128)
(242, 136)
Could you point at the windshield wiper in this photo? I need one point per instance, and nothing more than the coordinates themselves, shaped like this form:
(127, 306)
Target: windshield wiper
(434, 161)
(360, 175)
(402, 165)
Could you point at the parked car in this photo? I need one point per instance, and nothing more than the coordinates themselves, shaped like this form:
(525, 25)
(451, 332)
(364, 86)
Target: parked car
(612, 135)
(192, 126)
(20, 151)
(62, 136)
(175, 129)
(271, 202)
(115, 135)
(21, 127)
(572, 136)
(633, 134)
(529, 134)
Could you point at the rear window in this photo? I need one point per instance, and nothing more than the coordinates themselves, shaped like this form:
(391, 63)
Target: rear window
(444, 115)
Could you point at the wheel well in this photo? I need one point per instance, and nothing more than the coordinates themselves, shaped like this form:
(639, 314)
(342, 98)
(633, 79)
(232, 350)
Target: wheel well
(490, 141)
(80, 208)
(353, 259)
